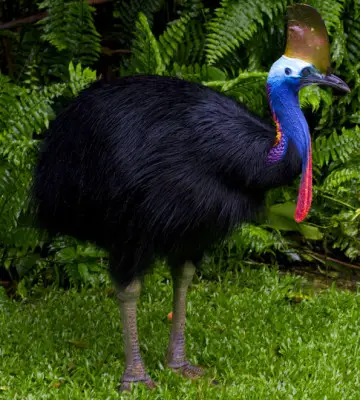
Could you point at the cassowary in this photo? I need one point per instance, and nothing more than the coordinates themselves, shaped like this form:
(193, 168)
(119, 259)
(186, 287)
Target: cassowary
(156, 167)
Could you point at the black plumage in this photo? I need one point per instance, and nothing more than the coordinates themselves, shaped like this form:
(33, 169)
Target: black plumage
(151, 166)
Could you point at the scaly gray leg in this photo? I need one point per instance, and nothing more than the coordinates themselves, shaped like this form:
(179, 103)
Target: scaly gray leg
(176, 355)
(134, 365)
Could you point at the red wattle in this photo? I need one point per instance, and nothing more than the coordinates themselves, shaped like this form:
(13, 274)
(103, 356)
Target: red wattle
(305, 193)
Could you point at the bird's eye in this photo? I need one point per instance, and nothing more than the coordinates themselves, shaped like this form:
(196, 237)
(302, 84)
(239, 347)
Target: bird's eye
(287, 71)
(306, 72)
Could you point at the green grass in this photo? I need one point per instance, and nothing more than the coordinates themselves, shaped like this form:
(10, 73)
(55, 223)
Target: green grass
(246, 330)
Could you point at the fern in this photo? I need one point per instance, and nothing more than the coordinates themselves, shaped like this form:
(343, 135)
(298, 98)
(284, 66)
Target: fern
(156, 56)
(344, 176)
(127, 13)
(196, 73)
(81, 261)
(236, 22)
(192, 7)
(146, 52)
(70, 28)
(13, 190)
(331, 11)
(352, 27)
(248, 88)
(313, 96)
(336, 147)
(79, 78)
(346, 232)
(171, 38)
(192, 48)
(228, 47)
(23, 114)
(26, 112)
(338, 46)
(255, 240)
(355, 118)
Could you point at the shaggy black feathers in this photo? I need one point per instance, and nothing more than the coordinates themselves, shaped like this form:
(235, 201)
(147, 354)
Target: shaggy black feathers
(154, 166)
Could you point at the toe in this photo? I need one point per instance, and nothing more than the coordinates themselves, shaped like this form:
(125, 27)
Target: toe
(128, 380)
(189, 371)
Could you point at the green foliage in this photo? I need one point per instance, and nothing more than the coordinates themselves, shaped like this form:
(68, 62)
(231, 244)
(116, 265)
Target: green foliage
(331, 11)
(228, 46)
(247, 88)
(146, 52)
(335, 147)
(172, 37)
(80, 78)
(70, 28)
(205, 74)
(236, 22)
(127, 12)
(83, 263)
(25, 113)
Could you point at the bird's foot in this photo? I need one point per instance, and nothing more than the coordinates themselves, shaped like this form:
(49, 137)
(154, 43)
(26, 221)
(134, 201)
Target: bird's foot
(127, 380)
(188, 370)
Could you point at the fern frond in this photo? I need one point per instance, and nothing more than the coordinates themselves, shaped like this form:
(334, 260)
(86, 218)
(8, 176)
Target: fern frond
(338, 46)
(192, 48)
(336, 147)
(146, 52)
(24, 113)
(350, 246)
(236, 22)
(346, 232)
(14, 185)
(70, 28)
(248, 88)
(355, 118)
(197, 73)
(27, 58)
(172, 37)
(127, 13)
(192, 7)
(331, 11)
(343, 177)
(251, 239)
(312, 96)
(352, 29)
(79, 78)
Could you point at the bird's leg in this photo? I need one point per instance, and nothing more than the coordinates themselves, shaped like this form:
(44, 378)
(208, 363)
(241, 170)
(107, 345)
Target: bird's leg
(176, 355)
(134, 365)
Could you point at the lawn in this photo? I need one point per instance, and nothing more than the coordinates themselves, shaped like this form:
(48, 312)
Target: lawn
(247, 330)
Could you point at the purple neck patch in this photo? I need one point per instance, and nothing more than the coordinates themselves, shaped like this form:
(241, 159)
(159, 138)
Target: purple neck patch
(277, 152)
(279, 148)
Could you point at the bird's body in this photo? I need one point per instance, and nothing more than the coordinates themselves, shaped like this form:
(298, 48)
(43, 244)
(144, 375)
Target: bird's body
(153, 166)
(156, 166)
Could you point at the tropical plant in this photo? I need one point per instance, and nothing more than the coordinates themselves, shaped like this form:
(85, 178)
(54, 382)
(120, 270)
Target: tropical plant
(228, 45)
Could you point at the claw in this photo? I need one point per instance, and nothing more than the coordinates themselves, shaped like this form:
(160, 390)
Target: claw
(189, 371)
(127, 381)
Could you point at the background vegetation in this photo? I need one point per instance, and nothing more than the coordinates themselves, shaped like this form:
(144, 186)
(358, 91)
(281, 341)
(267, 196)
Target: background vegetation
(228, 45)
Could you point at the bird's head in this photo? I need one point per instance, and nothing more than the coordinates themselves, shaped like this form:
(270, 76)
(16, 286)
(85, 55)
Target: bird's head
(306, 61)
(294, 73)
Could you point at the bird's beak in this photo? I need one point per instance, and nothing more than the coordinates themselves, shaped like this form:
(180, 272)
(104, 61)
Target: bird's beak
(325, 80)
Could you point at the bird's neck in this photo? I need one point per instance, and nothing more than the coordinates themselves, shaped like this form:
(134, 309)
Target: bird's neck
(290, 123)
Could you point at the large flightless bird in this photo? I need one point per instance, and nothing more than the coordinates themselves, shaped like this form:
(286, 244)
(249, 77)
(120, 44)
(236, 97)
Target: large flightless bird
(154, 166)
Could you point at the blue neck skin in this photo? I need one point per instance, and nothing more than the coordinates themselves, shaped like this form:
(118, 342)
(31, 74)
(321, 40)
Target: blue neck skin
(285, 106)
